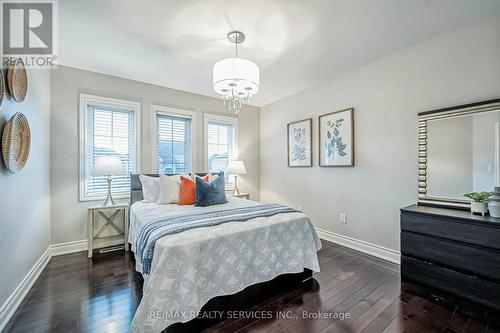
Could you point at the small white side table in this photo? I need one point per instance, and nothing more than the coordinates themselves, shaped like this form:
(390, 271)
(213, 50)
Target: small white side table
(108, 213)
(242, 195)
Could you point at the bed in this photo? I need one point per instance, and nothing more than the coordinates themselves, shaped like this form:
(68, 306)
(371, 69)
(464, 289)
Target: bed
(197, 274)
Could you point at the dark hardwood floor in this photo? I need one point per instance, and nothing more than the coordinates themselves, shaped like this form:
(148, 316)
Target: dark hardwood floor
(75, 294)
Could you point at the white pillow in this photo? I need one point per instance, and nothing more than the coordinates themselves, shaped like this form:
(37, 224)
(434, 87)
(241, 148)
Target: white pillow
(170, 188)
(150, 188)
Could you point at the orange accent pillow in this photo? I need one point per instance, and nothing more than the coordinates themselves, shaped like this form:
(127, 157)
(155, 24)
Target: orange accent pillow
(187, 195)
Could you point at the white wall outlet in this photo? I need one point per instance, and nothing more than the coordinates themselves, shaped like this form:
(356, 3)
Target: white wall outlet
(343, 218)
(300, 207)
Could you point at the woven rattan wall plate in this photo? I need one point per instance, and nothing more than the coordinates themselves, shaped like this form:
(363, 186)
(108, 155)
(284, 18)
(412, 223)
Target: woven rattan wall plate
(17, 80)
(2, 87)
(16, 142)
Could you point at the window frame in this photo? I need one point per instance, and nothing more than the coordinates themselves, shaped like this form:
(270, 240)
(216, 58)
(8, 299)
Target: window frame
(87, 100)
(222, 119)
(173, 112)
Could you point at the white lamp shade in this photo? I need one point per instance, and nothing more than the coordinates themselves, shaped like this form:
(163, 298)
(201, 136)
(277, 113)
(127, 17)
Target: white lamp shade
(236, 168)
(108, 166)
(236, 74)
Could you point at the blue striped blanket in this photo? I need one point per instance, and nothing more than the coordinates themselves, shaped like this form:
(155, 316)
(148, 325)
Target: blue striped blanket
(156, 229)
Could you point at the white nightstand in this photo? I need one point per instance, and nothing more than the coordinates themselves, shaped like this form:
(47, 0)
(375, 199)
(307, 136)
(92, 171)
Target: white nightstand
(242, 195)
(109, 214)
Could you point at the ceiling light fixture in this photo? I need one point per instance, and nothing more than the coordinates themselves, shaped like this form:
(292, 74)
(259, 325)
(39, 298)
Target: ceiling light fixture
(236, 80)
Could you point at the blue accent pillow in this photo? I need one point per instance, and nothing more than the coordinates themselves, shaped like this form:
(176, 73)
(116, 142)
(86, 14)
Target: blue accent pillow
(213, 193)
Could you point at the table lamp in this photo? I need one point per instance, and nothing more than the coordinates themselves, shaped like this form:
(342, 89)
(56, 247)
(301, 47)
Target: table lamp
(108, 166)
(235, 168)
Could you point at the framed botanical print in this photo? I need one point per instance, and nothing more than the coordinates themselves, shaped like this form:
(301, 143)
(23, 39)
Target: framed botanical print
(300, 143)
(336, 138)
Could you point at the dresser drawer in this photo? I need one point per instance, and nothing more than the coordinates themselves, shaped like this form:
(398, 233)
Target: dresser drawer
(452, 282)
(468, 232)
(474, 260)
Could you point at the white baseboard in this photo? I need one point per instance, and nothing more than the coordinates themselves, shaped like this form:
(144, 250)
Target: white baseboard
(361, 246)
(69, 247)
(12, 303)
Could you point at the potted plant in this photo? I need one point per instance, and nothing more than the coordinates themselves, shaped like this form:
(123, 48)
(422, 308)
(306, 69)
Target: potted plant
(479, 201)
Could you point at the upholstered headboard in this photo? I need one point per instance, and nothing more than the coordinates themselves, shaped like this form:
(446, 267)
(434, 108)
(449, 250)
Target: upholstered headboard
(136, 185)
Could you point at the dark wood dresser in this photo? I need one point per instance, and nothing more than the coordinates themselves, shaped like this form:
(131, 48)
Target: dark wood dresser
(452, 251)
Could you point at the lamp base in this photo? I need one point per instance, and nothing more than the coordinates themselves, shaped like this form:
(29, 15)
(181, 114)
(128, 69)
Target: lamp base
(236, 191)
(109, 199)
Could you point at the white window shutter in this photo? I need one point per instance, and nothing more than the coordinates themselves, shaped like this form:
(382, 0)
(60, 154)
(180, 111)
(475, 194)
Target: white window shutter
(110, 132)
(220, 145)
(173, 149)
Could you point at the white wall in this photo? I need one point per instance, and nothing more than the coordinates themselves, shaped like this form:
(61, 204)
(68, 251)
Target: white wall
(455, 68)
(25, 196)
(68, 214)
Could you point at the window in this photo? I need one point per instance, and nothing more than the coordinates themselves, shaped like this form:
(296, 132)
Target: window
(108, 127)
(220, 142)
(174, 140)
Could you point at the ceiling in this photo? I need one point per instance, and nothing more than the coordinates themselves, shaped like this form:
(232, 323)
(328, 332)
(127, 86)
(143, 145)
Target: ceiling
(296, 43)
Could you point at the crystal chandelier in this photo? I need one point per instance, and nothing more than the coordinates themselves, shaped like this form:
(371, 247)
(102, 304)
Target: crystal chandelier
(236, 80)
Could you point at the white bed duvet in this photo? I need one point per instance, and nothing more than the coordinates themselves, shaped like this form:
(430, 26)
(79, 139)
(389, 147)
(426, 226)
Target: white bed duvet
(191, 267)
